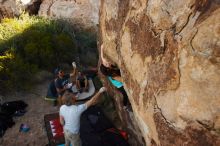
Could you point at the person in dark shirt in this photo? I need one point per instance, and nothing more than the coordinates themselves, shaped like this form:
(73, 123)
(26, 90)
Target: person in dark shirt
(82, 83)
(62, 82)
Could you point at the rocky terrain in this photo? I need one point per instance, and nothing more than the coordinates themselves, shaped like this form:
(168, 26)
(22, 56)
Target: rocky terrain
(84, 14)
(34, 118)
(168, 52)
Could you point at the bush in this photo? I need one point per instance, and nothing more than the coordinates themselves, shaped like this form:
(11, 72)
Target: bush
(87, 44)
(29, 44)
(15, 73)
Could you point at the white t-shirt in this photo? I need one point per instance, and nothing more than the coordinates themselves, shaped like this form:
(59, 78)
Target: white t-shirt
(71, 116)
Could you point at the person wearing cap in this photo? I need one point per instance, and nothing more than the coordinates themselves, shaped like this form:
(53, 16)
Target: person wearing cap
(70, 116)
(62, 82)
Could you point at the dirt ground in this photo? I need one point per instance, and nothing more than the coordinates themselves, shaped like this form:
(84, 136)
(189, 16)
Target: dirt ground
(34, 117)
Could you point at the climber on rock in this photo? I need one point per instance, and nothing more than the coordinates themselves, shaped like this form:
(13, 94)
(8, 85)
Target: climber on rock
(114, 76)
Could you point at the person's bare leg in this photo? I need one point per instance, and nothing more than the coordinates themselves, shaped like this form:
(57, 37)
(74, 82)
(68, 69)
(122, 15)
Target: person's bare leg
(77, 85)
(59, 99)
(86, 85)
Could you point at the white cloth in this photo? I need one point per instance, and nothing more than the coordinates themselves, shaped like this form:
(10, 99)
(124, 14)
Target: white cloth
(71, 115)
(69, 85)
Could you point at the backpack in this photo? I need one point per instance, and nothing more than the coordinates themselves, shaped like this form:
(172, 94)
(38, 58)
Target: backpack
(96, 129)
(6, 122)
(12, 107)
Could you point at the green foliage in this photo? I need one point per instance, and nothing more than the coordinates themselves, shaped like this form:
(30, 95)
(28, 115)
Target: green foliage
(29, 44)
(16, 74)
(88, 52)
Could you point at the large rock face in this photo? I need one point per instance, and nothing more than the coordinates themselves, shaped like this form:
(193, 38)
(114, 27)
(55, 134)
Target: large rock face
(83, 13)
(13, 8)
(169, 55)
(8, 8)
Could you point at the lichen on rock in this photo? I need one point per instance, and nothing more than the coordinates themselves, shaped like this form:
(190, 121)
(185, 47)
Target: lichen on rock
(168, 54)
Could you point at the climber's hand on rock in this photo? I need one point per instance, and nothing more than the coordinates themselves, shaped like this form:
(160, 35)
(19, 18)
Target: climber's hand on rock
(106, 63)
